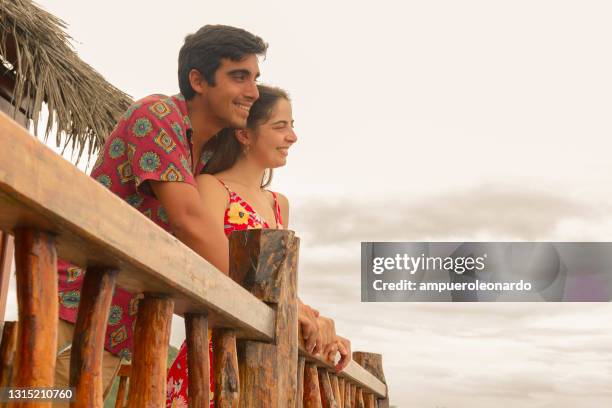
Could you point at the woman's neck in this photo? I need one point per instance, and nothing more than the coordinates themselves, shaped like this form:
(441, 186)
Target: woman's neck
(245, 172)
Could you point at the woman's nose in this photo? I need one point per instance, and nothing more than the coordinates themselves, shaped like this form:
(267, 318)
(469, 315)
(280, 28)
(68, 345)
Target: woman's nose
(292, 137)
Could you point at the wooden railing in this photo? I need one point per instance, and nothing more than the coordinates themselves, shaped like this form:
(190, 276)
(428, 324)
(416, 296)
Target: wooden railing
(54, 210)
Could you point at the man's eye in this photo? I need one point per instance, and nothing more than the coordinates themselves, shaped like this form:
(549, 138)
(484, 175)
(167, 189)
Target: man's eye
(239, 77)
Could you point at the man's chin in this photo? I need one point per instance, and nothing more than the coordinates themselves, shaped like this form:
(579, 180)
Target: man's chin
(238, 123)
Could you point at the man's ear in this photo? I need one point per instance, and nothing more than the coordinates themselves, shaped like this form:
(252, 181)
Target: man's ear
(243, 136)
(198, 82)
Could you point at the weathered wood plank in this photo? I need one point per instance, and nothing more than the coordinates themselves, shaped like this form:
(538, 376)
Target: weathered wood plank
(36, 263)
(327, 393)
(89, 334)
(151, 337)
(198, 361)
(227, 377)
(265, 263)
(95, 227)
(7, 353)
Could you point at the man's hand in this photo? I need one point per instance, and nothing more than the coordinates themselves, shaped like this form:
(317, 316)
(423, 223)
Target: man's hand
(307, 318)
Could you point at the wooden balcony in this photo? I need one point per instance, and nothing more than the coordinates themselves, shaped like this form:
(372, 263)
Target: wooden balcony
(53, 209)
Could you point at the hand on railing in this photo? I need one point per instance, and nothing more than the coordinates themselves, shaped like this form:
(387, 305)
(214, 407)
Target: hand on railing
(319, 335)
(309, 327)
(344, 348)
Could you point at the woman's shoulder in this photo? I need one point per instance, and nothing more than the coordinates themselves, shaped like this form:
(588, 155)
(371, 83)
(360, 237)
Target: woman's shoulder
(279, 197)
(211, 185)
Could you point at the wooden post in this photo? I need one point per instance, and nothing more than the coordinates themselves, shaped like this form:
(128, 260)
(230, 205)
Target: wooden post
(372, 362)
(7, 353)
(358, 403)
(370, 401)
(265, 263)
(312, 389)
(151, 337)
(300, 382)
(341, 386)
(348, 393)
(327, 393)
(88, 340)
(7, 248)
(36, 262)
(196, 331)
(124, 374)
(336, 389)
(227, 377)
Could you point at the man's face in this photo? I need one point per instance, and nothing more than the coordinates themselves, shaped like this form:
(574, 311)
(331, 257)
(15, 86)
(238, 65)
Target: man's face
(234, 92)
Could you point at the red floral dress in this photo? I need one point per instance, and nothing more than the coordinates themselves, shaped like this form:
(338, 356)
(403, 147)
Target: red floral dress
(239, 215)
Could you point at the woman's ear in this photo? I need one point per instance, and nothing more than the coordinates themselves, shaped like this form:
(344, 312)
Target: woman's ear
(243, 136)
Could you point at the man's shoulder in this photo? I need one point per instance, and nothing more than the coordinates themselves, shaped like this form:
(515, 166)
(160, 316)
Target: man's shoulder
(157, 106)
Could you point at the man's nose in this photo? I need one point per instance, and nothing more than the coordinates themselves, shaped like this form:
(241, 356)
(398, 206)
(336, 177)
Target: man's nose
(251, 91)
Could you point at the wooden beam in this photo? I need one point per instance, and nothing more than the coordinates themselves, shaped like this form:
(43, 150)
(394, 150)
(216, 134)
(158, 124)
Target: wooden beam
(341, 386)
(336, 389)
(7, 248)
(372, 363)
(95, 227)
(312, 388)
(198, 361)
(121, 392)
(227, 377)
(7, 353)
(89, 334)
(300, 382)
(265, 263)
(348, 395)
(328, 399)
(151, 337)
(36, 262)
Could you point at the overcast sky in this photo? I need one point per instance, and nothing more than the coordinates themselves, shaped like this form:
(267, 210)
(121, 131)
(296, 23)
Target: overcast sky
(429, 120)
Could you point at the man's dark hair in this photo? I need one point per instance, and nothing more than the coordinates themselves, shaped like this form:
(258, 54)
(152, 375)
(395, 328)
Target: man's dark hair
(204, 49)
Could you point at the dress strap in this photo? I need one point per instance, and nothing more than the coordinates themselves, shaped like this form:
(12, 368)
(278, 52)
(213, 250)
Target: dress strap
(277, 211)
(231, 193)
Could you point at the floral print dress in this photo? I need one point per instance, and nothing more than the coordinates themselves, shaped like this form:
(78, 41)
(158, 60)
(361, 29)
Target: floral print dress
(239, 215)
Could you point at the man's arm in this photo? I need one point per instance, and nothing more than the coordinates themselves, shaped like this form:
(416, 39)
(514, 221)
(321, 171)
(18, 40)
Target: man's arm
(192, 224)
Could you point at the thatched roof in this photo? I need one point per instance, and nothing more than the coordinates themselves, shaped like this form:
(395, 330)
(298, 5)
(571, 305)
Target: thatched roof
(45, 68)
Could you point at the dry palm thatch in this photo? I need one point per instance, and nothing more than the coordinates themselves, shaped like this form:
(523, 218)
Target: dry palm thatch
(38, 57)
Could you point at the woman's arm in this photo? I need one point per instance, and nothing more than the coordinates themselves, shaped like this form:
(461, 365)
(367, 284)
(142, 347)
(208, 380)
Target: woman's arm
(214, 199)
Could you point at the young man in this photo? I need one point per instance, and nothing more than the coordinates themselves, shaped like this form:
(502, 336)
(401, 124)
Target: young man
(150, 160)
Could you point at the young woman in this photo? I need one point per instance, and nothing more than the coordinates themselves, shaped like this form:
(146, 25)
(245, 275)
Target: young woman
(233, 189)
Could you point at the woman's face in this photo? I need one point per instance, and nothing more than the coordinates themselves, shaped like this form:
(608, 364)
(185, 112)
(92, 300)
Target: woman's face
(274, 137)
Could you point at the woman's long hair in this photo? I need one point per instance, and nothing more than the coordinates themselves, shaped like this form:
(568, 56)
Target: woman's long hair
(228, 148)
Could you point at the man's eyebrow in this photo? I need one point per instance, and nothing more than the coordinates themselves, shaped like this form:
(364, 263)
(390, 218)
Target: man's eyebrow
(242, 71)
